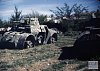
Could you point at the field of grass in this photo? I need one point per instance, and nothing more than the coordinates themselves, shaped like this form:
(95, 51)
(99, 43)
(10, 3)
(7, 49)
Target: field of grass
(40, 58)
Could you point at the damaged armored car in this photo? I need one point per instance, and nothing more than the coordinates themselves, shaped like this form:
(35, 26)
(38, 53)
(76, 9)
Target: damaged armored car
(28, 34)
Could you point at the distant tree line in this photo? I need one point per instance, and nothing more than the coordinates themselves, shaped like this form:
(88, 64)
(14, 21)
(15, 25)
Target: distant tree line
(35, 14)
(71, 17)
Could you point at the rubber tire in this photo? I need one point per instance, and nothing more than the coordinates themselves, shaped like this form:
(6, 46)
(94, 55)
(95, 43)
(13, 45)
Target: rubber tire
(41, 38)
(28, 44)
(51, 40)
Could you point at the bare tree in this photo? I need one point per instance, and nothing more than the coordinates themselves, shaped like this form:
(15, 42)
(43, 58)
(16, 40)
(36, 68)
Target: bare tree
(65, 11)
(78, 9)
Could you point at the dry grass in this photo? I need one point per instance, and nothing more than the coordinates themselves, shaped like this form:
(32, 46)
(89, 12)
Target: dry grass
(39, 58)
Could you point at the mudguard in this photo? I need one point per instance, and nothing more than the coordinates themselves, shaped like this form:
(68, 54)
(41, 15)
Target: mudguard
(50, 34)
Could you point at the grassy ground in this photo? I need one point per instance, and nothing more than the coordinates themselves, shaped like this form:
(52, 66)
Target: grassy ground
(40, 58)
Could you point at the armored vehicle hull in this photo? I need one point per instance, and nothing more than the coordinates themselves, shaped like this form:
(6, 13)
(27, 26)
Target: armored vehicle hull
(26, 35)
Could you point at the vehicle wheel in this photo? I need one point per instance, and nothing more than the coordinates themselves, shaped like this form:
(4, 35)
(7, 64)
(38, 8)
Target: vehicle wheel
(28, 44)
(40, 39)
(51, 40)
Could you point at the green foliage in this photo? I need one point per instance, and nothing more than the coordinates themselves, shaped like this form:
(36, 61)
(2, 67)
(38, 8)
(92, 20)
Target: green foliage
(16, 16)
(42, 18)
(1, 22)
(59, 65)
(56, 67)
(4, 23)
(68, 23)
(35, 14)
(4, 66)
(65, 40)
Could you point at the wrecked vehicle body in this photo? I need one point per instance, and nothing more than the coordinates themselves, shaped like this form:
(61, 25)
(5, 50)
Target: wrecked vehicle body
(15, 39)
(28, 34)
(88, 42)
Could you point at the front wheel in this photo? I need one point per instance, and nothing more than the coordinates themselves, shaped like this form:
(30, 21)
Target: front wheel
(28, 44)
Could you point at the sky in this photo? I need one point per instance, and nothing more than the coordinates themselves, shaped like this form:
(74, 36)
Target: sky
(41, 6)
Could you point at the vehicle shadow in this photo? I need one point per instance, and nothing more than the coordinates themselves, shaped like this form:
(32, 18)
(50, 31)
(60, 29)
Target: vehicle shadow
(9, 46)
(83, 54)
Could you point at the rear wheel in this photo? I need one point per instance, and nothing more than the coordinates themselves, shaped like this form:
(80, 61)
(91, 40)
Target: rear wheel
(51, 40)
